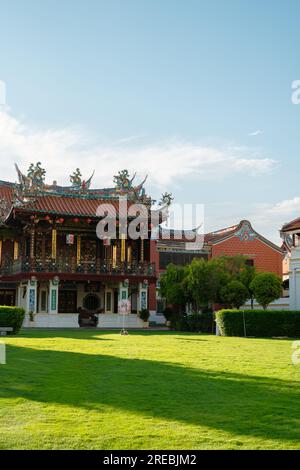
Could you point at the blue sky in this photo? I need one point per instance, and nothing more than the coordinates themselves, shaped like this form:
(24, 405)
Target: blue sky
(195, 93)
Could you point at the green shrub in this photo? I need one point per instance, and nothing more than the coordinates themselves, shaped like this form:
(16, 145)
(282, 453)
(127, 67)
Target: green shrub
(259, 323)
(12, 317)
(144, 315)
(168, 313)
(179, 322)
(196, 322)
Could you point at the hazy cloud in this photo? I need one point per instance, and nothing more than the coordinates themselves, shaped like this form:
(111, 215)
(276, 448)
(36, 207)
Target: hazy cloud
(62, 150)
(255, 133)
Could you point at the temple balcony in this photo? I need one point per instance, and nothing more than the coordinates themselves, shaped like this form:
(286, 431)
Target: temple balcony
(64, 265)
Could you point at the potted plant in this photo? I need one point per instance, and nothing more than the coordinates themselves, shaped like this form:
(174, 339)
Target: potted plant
(144, 315)
(168, 313)
(31, 319)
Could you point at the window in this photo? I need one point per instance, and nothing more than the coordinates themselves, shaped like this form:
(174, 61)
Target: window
(43, 301)
(250, 262)
(67, 301)
(108, 301)
(178, 258)
(160, 306)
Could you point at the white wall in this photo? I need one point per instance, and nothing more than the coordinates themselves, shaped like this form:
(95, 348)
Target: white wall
(280, 304)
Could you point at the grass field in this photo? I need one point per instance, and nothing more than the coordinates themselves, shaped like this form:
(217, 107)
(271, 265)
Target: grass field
(150, 390)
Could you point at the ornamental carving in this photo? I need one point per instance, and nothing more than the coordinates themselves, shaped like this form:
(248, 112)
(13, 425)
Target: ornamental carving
(246, 233)
(124, 186)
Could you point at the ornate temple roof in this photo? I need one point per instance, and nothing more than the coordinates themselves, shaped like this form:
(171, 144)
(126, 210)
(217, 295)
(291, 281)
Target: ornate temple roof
(32, 194)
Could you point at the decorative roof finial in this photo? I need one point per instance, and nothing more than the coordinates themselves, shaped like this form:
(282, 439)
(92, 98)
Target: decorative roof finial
(37, 174)
(76, 178)
(166, 199)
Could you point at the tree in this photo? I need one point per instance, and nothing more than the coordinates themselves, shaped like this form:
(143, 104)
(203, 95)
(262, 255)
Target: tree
(266, 288)
(246, 276)
(172, 286)
(234, 294)
(205, 280)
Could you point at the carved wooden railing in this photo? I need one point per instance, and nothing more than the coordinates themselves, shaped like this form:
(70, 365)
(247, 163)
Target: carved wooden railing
(70, 265)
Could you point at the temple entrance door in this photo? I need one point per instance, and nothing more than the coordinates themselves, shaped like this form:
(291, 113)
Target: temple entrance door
(116, 301)
(134, 302)
(67, 301)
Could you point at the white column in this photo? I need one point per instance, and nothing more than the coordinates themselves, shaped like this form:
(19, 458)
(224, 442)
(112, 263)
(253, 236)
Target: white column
(31, 296)
(143, 296)
(18, 296)
(53, 296)
(295, 279)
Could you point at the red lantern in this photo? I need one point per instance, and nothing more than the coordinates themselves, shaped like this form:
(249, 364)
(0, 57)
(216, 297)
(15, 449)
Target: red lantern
(76, 220)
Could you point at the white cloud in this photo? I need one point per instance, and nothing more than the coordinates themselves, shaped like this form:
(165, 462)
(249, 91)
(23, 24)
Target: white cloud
(62, 150)
(255, 133)
(167, 163)
(269, 218)
(266, 218)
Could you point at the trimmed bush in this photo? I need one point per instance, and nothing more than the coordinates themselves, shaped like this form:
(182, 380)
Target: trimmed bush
(196, 322)
(259, 323)
(12, 317)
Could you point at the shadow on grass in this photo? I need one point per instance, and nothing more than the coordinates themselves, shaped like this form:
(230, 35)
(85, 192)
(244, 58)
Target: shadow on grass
(88, 333)
(237, 403)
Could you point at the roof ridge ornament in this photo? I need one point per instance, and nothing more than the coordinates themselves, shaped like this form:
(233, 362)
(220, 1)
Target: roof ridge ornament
(36, 174)
(78, 184)
(166, 199)
(124, 186)
(29, 186)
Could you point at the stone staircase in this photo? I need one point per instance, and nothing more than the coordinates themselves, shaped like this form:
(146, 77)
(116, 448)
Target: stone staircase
(114, 320)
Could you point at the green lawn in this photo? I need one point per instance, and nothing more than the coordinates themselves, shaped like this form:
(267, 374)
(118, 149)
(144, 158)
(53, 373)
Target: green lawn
(150, 390)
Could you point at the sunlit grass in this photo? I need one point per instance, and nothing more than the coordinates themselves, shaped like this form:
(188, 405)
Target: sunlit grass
(88, 389)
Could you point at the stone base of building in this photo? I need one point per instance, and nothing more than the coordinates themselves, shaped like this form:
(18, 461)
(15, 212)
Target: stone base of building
(280, 304)
(70, 320)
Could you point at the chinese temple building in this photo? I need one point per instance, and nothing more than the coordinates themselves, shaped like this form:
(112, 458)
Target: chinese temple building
(52, 261)
(68, 258)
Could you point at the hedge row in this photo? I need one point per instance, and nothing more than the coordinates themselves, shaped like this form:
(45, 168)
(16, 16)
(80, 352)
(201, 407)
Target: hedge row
(259, 323)
(196, 322)
(12, 317)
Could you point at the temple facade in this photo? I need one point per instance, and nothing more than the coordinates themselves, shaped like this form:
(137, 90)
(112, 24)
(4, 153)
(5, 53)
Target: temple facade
(58, 265)
(73, 256)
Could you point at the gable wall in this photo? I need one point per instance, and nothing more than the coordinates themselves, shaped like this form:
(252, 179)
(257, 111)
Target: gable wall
(265, 257)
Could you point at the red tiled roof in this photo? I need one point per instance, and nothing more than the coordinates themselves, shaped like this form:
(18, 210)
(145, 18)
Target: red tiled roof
(77, 206)
(218, 235)
(6, 192)
(72, 205)
(64, 205)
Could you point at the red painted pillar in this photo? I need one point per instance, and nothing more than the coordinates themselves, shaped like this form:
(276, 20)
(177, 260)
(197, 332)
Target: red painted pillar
(152, 297)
